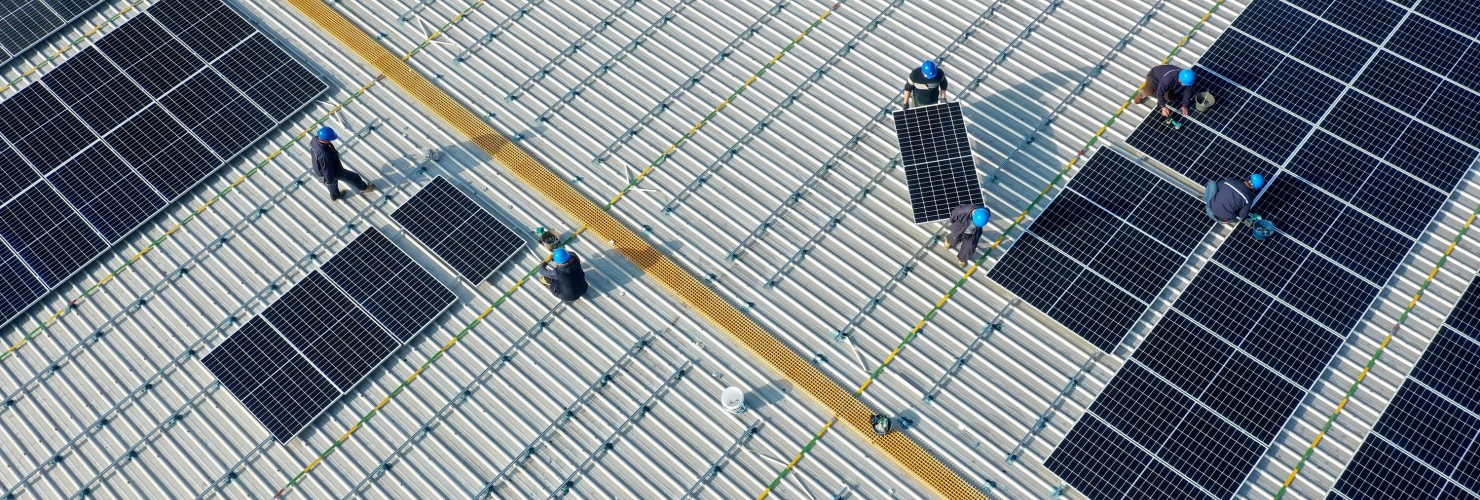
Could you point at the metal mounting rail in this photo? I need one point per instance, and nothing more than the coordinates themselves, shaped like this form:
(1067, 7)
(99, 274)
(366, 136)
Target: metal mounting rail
(589, 216)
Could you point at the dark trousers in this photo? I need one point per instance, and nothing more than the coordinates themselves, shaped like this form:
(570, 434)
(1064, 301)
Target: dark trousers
(964, 242)
(353, 179)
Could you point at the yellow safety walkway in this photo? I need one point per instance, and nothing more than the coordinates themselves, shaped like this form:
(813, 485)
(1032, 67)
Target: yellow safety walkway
(896, 445)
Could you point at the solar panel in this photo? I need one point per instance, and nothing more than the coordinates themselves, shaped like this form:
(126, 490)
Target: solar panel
(1424, 442)
(938, 166)
(336, 326)
(278, 386)
(466, 236)
(394, 289)
(26, 23)
(101, 143)
(1360, 162)
(1104, 249)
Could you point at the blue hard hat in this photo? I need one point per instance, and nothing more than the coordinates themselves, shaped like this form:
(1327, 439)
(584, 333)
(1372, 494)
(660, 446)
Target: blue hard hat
(1256, 180)
(561, 256)
(979, 217)
(327, 134)
(1186, 76)
(927, 68)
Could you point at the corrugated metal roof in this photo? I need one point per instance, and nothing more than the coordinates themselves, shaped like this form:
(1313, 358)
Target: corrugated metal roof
(111, 390)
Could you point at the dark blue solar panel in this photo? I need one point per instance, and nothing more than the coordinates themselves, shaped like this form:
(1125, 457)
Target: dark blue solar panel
(1365, 246)
(1034, 271)
(1332, 164)
(209, 28)
(95, 90)
(1400, 200)
(1238, 59)
(1182, 353)
(1458, 14)
(1370, 19)
(1428, 44)
(1434, 430)
(394, 289)
(1211, 451)
(1131, 245)
(1178, 150)
(26, 23)
(1309, 99)
(150, 55)
(464, 234)
(106, 191)
(1432, 156)
(326, 326)
(1381, 470)
(1160, 481)
(1269, 131)
(275, 383)
(1275, 23)
(1252, 396)
(1452, 109)
(1097, 460)
(939, 169)
(1291, 344)
(1451, 366)
(1398, 83)
(47, 234)
(1366, 122)
(1333, 51)
(1142, 407)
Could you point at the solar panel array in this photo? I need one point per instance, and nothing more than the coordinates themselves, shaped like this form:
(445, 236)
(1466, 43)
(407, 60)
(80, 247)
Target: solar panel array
(291, 363)
(25, 23)
(1357, 108)
(1104, 249)
(107, 139)
(459, 230)
(938, 166)
(1424, 445)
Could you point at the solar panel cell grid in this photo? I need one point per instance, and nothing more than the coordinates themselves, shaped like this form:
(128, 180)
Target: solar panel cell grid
(1154, 264)
(1094, 456)
(1180, 352)
(96, 91)
(209, 34)
(1332, 164)
(1291, 344)
(326, 326)
(1369, 19)
(1428, 43)
(939, 168)
(1171, 216)
(1271, 132)
(15, 174)
(1435, 431)
(1145, 410)
(18, 286)
(1451, 366)
(1309, 99)
(106, 191)
(1035, 271)
(1381, 470)
(471, 240)
(1098, 310)
(1398, 83)
(1333, 51)
(394, 289)
(27, 24)
(1275, 23)
(1252, 396)
(1211, 451)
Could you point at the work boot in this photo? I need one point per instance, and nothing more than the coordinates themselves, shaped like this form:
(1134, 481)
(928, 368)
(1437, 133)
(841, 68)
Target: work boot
(340, 196)
(947, 243)
(368, 188)
(960, 264)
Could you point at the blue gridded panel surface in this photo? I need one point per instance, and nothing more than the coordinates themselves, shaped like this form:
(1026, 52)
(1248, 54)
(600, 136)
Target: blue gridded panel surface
(280, 387)
(344, 320)
(938, 166)
(464, 234)
(26, 23)
(1104, 249)
(120, 130)
(394, 289)
(1350, 105)
(1425, 442)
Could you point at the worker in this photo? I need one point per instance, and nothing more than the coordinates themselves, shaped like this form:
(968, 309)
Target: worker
(927, 85)
(566, 280)
(1166, 81)
(329, 170)
(1228, 200)
(967, 222)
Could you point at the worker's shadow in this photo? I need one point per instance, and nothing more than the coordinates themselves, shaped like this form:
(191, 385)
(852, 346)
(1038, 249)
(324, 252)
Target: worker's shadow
(616, 270)
(1001, 121)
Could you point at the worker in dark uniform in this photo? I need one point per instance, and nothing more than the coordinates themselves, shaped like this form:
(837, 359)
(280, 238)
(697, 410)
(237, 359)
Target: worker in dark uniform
(1165, 82)
(566, 280)
(927, 85)
(967, 222)
(329, 170)
(1228, 200)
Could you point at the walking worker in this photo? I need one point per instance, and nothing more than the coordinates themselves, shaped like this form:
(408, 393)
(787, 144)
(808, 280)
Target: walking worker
(566, 280)
(927, 85)
(1228, 200)
(1165, 81)
(329, 170)
(967, 222)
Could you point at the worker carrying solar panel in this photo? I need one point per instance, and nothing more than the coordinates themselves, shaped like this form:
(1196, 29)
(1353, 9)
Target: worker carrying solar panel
(1228, 200)
(926, 85)
(967, 222)
(329, 170)
(566, 279)
(1167, 82)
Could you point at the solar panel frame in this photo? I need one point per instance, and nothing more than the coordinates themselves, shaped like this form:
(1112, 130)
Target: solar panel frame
(392, 301)
(226, 360)
(432, 202)
(939, 167)
(35, 113)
